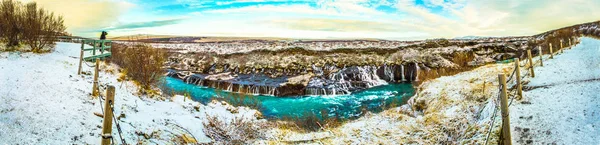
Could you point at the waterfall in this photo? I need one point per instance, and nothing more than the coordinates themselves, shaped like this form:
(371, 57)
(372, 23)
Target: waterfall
(273, 91)
(317, 70)
(389, 72)
(346, 80)
(197, 80)
(402, 72)
(417, 71)
(229, 87)
(333, 91)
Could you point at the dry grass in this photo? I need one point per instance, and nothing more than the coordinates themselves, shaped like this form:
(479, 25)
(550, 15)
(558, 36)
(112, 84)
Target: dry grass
(142, 63)
(236, 131)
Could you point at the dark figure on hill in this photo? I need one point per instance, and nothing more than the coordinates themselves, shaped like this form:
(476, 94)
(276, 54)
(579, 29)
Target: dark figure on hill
(103, 35)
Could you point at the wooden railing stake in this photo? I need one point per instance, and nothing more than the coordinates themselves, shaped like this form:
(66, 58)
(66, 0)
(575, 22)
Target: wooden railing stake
(561, 47)
(531, 63)
(551, 52)
(505, 137)
(541, 55)
(80, 60)
(108, 114)
(570, 44)
(95, 86)
(518, 75)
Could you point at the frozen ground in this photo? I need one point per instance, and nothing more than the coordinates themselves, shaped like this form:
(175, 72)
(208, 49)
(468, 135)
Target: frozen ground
(564, 106)
(44, 101)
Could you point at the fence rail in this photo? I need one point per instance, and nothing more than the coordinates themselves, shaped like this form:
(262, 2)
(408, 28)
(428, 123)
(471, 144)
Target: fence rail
(516, 89)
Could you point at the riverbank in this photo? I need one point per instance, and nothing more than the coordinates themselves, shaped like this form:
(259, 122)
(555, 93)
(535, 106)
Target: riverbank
(447, 110)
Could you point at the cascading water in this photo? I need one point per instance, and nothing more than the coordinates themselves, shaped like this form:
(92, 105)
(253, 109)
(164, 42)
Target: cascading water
(416, 71)
(389, 72)
(344, 81)
(402, 73)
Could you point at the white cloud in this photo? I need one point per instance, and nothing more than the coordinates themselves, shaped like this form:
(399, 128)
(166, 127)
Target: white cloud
(360, 18)
(497, 18)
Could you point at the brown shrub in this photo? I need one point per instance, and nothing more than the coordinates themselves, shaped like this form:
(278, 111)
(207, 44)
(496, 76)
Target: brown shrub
(238, 131)
(40, 27)
(311, 121)
(34, 26)
(10, 22)
(142, 63)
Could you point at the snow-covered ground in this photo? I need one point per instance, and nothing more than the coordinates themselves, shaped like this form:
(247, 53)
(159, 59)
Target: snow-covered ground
(564, 106)
(44, 101)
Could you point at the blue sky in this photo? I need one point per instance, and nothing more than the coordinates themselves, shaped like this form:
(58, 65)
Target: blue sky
(384, 19)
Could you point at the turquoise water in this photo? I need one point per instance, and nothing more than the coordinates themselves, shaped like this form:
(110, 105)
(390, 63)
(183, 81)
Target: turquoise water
(342, 106)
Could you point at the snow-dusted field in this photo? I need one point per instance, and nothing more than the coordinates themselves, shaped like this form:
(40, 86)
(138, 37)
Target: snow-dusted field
(564, 107)
(241, 47)
(44, 101)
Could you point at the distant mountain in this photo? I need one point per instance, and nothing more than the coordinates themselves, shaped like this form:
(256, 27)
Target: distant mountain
(471, 37)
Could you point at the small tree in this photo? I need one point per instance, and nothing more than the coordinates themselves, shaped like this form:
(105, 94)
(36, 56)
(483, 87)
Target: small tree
(141, 62)
(10, 22)
(41, 28)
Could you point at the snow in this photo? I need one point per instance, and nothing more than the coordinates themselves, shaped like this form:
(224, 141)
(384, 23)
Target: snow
(563, 107)
(44, 101)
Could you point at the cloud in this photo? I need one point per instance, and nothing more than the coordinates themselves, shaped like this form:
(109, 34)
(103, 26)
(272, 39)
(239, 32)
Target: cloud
(397, 19)
(147, 24)
(84, 15)
(495, 18)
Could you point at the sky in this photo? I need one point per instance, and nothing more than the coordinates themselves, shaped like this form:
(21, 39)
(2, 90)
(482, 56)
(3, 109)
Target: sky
(322, 19)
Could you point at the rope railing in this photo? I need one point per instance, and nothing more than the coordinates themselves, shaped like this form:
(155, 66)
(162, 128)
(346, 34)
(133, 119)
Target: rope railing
(112, 110)
(513, 91)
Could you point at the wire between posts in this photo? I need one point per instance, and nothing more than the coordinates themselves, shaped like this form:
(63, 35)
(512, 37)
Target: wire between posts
(117, 124)
(89, 64)
(103, 113)
(511, 76)
(493, 119)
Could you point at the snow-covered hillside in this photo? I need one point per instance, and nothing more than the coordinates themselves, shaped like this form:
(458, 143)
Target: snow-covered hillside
(564, 105)
(44, 101)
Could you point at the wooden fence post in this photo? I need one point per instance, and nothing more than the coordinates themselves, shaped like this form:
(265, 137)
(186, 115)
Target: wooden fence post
(531, 63)
(505, 134)
(518, 75)
(108, 114)
(80, 60)
(541, 55)
(483, 92)
(551, 52)
(561, 46)
(570, 44)
(95, 86)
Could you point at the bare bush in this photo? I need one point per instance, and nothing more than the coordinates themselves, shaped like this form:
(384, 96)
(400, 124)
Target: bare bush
(10, 22)
(34, 26)
(238, 131)
(41, 28)
(312, 121)
(142, 63)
